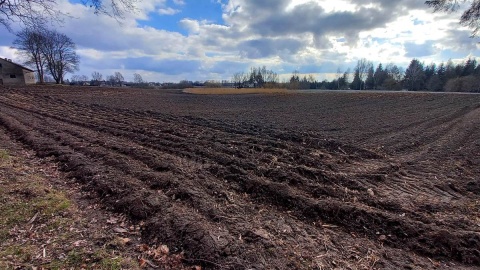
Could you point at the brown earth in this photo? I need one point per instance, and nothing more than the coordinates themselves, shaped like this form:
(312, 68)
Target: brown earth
(48, 222)
(234, 91)
(305, 181)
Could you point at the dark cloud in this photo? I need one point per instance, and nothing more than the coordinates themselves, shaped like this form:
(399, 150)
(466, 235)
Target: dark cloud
(228, 67)
(312, 18)
(168, 67)
(261, 48)
(460, 39)
(276, 30)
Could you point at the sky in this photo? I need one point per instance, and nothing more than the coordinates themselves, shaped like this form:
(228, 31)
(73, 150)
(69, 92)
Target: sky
(173, 40)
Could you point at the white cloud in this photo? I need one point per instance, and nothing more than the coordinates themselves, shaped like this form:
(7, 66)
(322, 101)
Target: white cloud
(179, 2)
(192, 26)
(168, 11)
(7, 52)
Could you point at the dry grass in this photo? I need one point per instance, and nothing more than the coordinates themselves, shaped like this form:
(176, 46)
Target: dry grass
(234, 91)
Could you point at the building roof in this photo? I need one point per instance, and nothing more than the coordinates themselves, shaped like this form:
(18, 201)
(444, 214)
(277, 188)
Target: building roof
(10, 61)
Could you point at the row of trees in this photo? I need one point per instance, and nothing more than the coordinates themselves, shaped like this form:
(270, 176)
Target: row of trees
(257, 77)
(116, 79)
(462, 77)
(49, 51)
(383, 77)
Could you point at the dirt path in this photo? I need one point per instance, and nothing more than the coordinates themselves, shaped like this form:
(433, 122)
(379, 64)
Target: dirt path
(235, 195)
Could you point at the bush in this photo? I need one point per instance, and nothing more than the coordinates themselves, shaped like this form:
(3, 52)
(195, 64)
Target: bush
(463, 84)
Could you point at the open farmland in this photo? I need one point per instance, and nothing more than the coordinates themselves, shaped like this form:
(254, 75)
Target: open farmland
(302, 181)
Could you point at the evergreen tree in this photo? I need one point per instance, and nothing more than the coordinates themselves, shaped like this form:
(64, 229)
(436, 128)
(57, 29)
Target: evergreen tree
(469, 67)
(430, 71)
(357, 82)
(450, 72)
(370, 81)
(459, 70)
(379, 76)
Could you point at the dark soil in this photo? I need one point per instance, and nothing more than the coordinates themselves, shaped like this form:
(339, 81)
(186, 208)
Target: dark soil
(300, 181)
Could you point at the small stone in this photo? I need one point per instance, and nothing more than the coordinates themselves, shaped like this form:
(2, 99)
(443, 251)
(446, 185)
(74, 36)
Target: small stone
(120, 230)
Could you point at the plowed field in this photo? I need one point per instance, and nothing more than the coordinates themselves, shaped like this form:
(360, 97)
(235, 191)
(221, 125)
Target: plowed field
(297, 181)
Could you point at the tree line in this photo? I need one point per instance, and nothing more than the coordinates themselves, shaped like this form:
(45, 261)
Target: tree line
(116, 79)
(449, 77)
(462, 77)
(256, 78)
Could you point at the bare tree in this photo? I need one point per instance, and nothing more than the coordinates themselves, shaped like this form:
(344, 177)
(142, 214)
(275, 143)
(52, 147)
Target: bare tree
(470, 17)
(295, 80)
(111, 80)
(238, 79)
(245, 79)
(96, 76)
(29, 13)
(29, 45)
(137, 78)
(115, 8)
(60, 55)
(415, 76)
(79, 79)
(117, 78)
(75, 78)
(37, 12)
(394, 72)
(338, 75)
(272, 77)
(363, 65)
